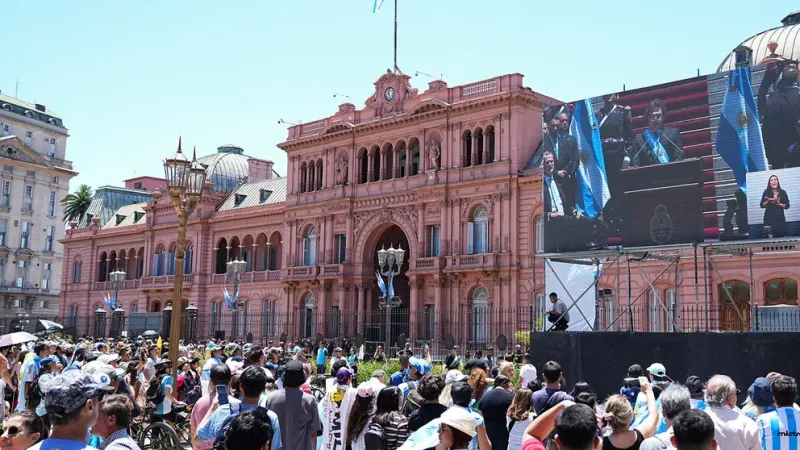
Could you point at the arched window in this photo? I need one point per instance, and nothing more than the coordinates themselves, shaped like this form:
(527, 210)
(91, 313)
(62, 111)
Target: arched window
(656, 312)
(606, 309)
(72, 316)
(159, 260)
(155, 306)
(780, 291)
(478, 147)
(303, 177)
(733, 296)
(77, 269)
(188, 258)
(363, 166)
(310, 248)
(376, 163)
(539, 233)
(312, 176)
(480, 315)
(308, 316)
(478, 232)
(102, 268)
(140, 263)
(490, 144)
(673, 323)
(319, 174)
(270, 318)
(466, 143)
(170, 260)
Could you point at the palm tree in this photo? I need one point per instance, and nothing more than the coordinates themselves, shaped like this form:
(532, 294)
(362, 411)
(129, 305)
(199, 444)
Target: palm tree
(76, 204)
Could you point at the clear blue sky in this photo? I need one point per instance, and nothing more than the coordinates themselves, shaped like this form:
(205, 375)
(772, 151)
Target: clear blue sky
(128, 77)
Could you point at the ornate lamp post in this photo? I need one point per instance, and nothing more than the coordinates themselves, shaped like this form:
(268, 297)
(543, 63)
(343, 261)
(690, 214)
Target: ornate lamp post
(387, 261)
(185, 181)
(234, 269)
(117, 279)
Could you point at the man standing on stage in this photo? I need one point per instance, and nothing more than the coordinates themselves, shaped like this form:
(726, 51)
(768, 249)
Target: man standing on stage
(658, 143)
(616, 133)
(557, 313)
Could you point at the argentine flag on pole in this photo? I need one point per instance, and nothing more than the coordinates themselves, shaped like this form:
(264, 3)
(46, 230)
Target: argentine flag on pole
(377, 5)
(591, 193)
(739, 139)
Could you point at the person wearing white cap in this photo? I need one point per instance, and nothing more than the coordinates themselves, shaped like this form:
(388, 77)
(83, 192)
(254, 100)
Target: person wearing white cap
(360, 414)
(457, 428)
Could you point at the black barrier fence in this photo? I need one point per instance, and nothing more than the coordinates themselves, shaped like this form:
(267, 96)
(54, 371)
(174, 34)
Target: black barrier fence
(602, 359)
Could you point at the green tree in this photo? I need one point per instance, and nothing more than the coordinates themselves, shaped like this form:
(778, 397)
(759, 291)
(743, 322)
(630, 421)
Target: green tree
(76, 204)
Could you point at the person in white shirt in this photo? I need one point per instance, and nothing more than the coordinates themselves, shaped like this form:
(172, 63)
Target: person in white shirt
(778, 430)
(732, 429)
(527, 372)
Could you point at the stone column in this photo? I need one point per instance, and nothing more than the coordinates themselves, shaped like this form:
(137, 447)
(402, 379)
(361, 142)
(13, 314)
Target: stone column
(322, 310)
(360, 310)
(370, 165)
(437, 306)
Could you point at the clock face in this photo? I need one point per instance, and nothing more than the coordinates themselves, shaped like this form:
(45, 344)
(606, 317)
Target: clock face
(388, 94)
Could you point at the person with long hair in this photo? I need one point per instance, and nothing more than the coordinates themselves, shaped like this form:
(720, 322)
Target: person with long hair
(619, 415)
(520, 414)
(45, 375)
(477, 379)
(360, 415)
(389, 417)
(775, 201)
(22, 430)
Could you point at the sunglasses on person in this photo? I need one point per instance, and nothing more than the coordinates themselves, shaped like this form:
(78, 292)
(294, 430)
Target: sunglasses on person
(12, 431)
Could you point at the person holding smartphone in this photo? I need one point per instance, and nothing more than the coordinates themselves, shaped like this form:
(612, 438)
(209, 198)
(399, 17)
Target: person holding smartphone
(219, 384)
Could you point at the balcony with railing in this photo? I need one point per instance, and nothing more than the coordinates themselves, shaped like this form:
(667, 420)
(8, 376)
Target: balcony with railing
(303, 272)
(164, 280)
(248, 277)
(60, 162)
(109, 286)
(431, 263)
(482, 261)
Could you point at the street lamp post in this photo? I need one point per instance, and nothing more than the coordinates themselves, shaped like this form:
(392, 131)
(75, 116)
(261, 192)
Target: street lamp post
(185, 181)
(117, 279)
(234, 269)
(387, 261)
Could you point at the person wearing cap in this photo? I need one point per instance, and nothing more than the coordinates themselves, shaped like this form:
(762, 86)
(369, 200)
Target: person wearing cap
(778, 428)
(164, 378)
(759, 399)
(337, 355)
(297, 411)
(46, 374)
(215, 359)
(29, 371)
(252, 382)
(117, 377)
(336, 409)
(657, 374)
(360, 414)
(417, 368)
(322, 357)
(696, 392)
(452, 376)
(457, 428)
(72, 405)
(527, 372)
(401, 375)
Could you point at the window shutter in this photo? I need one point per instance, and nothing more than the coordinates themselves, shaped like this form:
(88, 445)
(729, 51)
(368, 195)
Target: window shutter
(470, 237)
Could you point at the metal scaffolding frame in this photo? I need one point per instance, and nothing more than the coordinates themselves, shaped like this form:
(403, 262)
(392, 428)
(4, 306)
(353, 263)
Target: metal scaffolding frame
(670, 255)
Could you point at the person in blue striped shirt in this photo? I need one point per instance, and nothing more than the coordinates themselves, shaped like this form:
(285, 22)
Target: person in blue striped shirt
(779, 429)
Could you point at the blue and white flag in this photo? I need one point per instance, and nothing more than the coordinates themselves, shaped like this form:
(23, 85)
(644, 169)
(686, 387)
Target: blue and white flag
(426, 436)
(739, 140)
(591, 193)
(230, 301)
(377, 5)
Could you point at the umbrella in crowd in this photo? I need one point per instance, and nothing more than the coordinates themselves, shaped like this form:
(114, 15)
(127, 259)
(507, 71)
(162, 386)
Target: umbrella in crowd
(150, 334)
(20, 337)
(49, 325)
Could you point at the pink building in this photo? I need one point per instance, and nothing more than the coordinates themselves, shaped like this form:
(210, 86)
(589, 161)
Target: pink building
(146, 183)
(449, 175)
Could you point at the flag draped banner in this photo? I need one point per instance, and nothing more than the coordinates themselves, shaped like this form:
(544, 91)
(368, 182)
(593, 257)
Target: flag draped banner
(591, 193)
(739, 140)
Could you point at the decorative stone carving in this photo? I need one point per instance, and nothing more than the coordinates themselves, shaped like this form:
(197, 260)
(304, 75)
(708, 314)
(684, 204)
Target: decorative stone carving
(341, 171)
(434, 152)
(446, 247)
(505, 243)
(496, 243)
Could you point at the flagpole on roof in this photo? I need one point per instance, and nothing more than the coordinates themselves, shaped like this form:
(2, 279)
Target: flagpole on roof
(396, 69)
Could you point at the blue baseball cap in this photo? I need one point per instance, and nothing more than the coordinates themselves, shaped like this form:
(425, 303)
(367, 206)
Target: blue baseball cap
(422, 366)
(70, 391)
(45, 361)
(760, 392)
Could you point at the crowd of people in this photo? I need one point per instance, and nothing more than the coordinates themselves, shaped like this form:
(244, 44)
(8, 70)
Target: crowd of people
(82, 396)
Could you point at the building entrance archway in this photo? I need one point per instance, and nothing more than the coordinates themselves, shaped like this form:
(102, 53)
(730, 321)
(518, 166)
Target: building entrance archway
(388, 235)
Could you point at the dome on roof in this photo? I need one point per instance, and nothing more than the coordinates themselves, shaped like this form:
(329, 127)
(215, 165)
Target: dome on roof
(226, 168)
(786, 36)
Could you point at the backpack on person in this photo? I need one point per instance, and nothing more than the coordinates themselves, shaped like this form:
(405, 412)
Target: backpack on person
(374, 437)
(155, 394)
(236, 408)
(35, 394)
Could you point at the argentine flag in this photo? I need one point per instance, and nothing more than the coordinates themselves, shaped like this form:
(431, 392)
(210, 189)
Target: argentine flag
(377, 5)
(591, 193)
(739, 139)
(779, 429)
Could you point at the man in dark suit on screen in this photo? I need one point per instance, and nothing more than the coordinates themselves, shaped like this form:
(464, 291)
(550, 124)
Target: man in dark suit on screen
(657, 144)
(565, 149)
(562, 225)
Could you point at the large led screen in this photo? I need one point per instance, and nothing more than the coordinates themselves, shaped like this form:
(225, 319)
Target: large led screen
(671, 164)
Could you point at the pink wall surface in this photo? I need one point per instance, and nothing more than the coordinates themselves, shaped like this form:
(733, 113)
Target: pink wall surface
(147, 183)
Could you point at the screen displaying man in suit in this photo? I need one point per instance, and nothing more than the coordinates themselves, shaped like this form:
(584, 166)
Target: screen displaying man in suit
(658, 143)
(565, 149)
(616, 134)
(565, 229)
